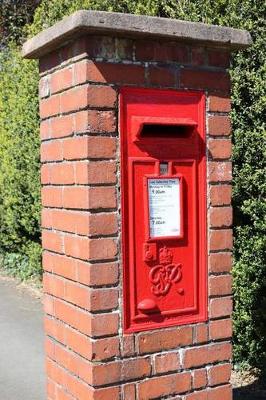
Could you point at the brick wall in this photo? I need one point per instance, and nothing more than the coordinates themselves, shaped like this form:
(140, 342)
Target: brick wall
(88, 357)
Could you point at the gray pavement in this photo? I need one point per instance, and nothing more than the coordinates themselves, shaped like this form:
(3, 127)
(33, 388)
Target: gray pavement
(22, 374)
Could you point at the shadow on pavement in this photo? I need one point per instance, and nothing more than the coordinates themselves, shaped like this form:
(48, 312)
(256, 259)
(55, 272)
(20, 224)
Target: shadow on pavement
(249, 392)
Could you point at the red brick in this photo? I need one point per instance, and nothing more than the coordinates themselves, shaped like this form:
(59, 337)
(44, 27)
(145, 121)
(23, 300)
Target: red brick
(196, 79)
(50, 107)
(167, 362)
(103, 299)
(220, 148)
(101, 96)
(74, 386)
(219, 125)
(95, 172)
(45, 130)
(221, 307)
(94, 121)
(51, 151)
(108, 373)
(161, 76)
(199, 378)
(77, 246)
(220, 285)
(127, 345)
(105, 349)
(218, 103)
(86, 71)
(59, 173)
(208, 354)
(102, 224)
(45, 174)
(221, 239)
(89, 197)
(90, 299)
(85, 96)
(102, 249)
(74, 99)
(220, 195)
(81, 223)
(164, 339)
(198, 56)
(89, 249)
(104, 324)
(136, 368)
(78, 342)
(107, 393)
(61, 80)
(201, 395)
(54, 329)
(88, 274)
(219, 171)
(52, 241)
(103, 197)
(50, 389)
(73, 316)
(219, 374)
(48, 304)
(62, 126)
(218, 58)
(88, 324)
(201, 333)
(60, 265)
(89, 147)
(108, 72)
(165, 385)
(220, 329)
(65, 220)
(124, 49)
(97, 274)
(52, 197)
(221, 392)
(71, 361)
(221, 217)
(129, 391)
(62, 395)
(53, 285)
(49, 61)
(101, 46)
(147, 50)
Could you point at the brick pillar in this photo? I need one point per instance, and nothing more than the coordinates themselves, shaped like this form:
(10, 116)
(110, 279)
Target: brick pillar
(88, 355)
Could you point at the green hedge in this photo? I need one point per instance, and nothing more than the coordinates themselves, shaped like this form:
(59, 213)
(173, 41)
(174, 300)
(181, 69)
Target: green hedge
(19, 167)
(19, 184)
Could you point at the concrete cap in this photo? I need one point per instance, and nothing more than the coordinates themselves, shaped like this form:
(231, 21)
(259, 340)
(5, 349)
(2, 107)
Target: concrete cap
(129, 25)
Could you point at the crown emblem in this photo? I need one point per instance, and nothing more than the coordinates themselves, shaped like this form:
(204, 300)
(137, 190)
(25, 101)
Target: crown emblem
(165, 256)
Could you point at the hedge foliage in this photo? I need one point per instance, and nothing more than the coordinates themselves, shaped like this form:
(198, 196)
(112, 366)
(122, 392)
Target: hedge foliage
(14, 14)
(19, 167)
(19, 182)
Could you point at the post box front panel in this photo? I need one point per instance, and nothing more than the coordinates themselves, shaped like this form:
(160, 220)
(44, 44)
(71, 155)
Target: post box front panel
(163, 181)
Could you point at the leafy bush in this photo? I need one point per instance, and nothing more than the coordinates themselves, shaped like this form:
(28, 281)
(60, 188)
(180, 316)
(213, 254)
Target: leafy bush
(14, 14)
(19, 185)
(19, 154)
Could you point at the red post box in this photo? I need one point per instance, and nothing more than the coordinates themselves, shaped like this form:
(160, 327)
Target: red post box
(163, 170)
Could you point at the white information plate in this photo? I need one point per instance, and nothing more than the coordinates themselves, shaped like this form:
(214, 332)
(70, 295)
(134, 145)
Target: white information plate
(164, 207)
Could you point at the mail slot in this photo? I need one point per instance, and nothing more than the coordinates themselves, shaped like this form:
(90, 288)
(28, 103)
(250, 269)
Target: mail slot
(163, 189)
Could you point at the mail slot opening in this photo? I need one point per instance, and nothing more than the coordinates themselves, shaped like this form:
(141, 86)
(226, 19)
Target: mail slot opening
(166, 131)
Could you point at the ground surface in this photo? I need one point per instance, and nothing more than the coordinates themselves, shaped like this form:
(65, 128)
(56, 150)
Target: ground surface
(247, 386)
(21, 343)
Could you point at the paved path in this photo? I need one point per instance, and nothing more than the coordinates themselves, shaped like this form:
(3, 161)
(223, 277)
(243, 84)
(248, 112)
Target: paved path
(21, 344)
